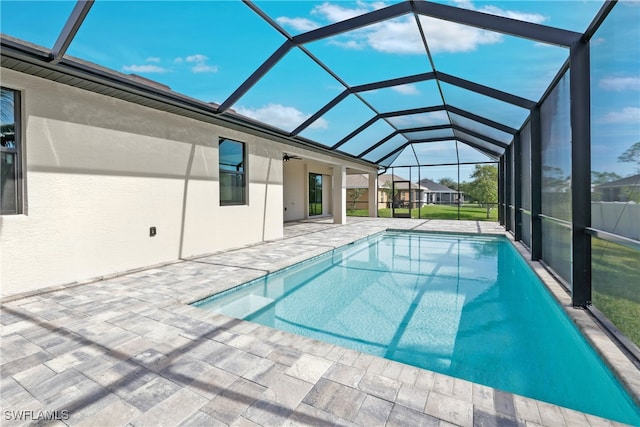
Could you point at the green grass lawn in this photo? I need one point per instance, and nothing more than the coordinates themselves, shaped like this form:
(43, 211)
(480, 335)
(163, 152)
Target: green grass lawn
(467, 212)
(616, 288)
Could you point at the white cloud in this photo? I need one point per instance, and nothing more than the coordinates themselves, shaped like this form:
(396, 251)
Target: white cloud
(200, 63)
(627, 115)
(298, 24)
(396, 36)
(401, 35)
(620, 84)
(145, 68)
(406, 89)
(495, 10)
(535, 18)
(349, 44)
(417, 120)
(204, 68)
(445, 36)
(336, 13)
(281, 116)
(196, 58)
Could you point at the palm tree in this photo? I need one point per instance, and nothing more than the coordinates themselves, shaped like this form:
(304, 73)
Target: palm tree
(6, 101)
(7, 119)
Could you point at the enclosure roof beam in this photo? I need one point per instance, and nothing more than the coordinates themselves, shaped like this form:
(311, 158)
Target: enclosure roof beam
(402, 147)
(486, 90)
(458, 111)
(434, 139)
(424, 128)
(70, 29)
(321, 112)
(394, 82)
(384, 116)
(447, 78)
(493, 154)
(484, 150)
(355, 132)
(378, 144)
(500, 24)
(488, 139)
(482, 120)
(257, 75)
(354, 23)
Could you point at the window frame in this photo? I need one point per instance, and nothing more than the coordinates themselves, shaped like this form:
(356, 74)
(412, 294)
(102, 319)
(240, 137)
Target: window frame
(242, 174)
(18, 152)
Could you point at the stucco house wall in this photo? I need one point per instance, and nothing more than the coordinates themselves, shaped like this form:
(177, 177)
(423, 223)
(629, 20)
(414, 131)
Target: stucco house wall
(99, 172)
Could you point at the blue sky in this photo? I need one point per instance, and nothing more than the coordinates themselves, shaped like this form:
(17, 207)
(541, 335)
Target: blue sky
(205, 49)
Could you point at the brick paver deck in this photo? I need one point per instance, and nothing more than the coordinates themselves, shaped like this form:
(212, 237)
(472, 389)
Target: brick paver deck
(128, 350)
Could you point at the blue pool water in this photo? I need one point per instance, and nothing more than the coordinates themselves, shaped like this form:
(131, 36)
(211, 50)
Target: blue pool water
(462, 305)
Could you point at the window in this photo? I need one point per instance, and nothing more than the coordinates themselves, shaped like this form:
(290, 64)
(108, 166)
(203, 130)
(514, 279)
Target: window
(232, 172)
(315, 194)
(10, 153)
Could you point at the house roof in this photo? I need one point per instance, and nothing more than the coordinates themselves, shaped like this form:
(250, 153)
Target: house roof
(384, 180)
(435, 187)
(630, 181)
(357, 181)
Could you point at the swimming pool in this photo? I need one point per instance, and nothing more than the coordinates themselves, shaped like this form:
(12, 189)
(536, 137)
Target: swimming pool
(462, 305)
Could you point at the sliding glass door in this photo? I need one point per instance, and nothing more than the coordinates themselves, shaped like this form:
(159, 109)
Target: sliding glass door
(315, 194)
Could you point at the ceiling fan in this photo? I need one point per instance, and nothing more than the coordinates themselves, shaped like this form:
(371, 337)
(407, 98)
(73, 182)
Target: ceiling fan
(286, 157)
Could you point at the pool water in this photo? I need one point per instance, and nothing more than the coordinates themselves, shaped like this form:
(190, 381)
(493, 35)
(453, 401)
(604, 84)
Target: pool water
(462, 305)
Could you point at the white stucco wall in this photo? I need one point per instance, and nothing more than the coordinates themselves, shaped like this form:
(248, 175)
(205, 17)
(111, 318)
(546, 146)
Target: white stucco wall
(294, 188)
(101, 171)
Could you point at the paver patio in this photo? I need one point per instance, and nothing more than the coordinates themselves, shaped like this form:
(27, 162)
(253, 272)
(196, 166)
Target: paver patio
(128, 350)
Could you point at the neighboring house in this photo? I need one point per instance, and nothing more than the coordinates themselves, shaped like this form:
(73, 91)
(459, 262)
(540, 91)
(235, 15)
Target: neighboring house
(357, 197)
(440, 194)
(620, 190)
(406, 193)
(416, 194)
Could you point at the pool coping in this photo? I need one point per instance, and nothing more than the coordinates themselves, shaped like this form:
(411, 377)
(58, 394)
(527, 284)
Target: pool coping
(398, 391)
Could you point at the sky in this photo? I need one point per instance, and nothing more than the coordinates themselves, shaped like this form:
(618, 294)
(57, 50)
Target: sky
(206, 49)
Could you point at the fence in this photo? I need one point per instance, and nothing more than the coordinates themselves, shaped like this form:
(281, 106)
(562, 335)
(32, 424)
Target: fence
(621, 218)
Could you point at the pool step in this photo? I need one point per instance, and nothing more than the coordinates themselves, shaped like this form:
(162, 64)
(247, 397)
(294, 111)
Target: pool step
(245, 306)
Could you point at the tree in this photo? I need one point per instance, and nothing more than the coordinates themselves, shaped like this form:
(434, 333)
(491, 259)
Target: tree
(354, 195)
(6, 112)
(464, 188)
(387, 188)
(554, 180)
(632, 155)
(448, 182)
(598, 178)
(484, 187)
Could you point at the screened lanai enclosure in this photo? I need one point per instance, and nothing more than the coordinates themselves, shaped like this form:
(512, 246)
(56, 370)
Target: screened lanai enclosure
(546, 91)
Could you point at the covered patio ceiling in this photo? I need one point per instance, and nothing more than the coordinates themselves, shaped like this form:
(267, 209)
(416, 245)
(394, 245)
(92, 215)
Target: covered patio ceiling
(390, 83)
